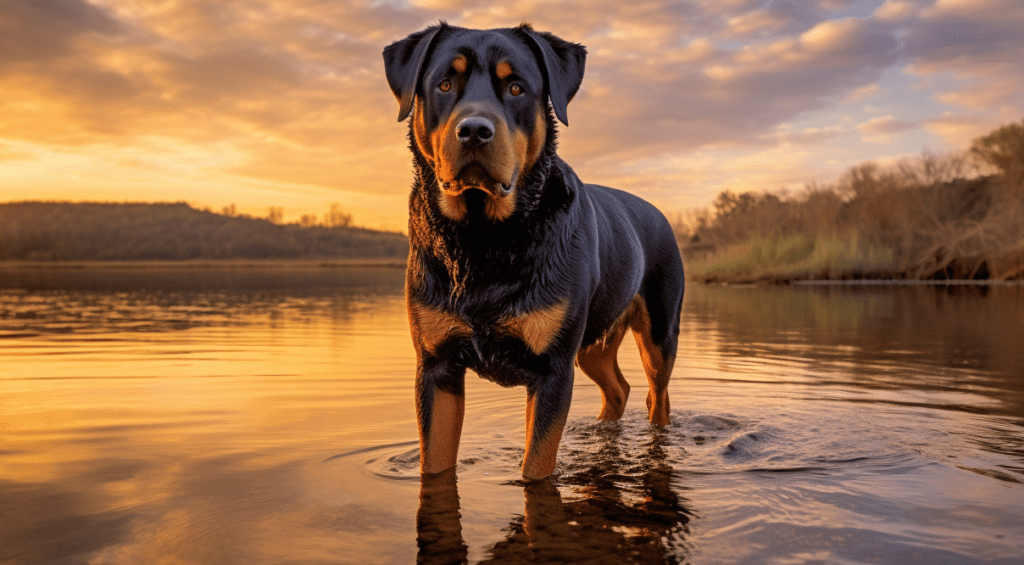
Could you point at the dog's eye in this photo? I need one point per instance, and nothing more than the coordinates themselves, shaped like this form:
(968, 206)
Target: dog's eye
(515, 89)
(445, 85)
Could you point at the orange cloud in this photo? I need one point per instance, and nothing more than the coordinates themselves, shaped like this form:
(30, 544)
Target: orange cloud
(275, 102)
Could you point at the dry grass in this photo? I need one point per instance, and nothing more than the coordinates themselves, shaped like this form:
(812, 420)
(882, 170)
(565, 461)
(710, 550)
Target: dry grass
(936, 217)
(793, 257)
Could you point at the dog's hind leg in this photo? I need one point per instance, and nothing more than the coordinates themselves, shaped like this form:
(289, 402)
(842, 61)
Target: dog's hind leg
(600, 362)
(656, 337)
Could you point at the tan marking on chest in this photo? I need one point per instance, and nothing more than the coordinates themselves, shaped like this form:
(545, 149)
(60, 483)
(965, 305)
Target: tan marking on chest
(537, 328)
(430, 326)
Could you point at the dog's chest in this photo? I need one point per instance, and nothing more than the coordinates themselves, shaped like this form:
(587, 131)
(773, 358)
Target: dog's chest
(506, 349)
(536, 328)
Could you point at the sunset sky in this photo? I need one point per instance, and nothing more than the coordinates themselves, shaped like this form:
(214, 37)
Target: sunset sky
(265, 103)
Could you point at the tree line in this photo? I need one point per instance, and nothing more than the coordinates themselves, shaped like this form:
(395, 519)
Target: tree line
(956, 216)
(54, 231)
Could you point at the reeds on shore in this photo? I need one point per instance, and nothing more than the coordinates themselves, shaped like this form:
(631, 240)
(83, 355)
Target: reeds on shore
(956, 216)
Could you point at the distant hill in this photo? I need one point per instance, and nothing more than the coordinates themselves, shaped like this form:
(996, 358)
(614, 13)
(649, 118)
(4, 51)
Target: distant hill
(57, 231)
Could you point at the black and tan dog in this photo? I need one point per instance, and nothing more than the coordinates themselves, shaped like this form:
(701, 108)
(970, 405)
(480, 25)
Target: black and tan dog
(516, 267)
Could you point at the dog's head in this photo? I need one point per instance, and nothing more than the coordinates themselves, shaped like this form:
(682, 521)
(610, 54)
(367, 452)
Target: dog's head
(479, 101)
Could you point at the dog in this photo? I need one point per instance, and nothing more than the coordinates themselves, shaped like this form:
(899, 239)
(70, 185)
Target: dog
(517, 268)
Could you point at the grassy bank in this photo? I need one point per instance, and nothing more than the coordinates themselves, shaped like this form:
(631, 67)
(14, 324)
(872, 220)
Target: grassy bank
(933, 218)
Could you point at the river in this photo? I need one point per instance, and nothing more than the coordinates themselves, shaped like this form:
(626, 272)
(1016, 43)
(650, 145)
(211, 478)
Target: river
(265, 415)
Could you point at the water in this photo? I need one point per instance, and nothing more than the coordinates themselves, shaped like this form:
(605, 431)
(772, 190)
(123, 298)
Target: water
(254, 416)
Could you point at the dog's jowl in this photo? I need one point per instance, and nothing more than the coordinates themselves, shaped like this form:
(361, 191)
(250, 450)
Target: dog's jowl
(518, 269)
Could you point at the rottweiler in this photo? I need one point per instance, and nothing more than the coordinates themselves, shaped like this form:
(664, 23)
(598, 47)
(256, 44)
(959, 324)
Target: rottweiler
(517, 268)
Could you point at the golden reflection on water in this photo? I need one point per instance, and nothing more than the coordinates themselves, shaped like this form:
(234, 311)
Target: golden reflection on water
(263, 416)
(252, 386)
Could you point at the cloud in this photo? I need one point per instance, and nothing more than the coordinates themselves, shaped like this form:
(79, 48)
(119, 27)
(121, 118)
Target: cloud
(227, 68)
(957, 130)
(896, 11)
(809, 136)
(977, 43)
(291, 93)
(758, 21)
(11, 153)
(201, 71)
(38, 31)
(863, 92)
(881, 128)
(732, 96)
(966, 32)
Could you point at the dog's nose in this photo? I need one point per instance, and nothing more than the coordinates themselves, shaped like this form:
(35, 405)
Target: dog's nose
(475, 131)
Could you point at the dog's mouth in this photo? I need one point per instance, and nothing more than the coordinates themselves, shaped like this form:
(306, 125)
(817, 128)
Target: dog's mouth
(475, 176)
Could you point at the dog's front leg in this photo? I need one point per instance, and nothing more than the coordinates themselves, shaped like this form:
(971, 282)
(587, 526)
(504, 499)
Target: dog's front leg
(547, 407)
(440, 407)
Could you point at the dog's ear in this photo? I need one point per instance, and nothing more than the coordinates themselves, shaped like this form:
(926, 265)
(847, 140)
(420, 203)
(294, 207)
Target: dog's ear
(562, 63)
(403, 65)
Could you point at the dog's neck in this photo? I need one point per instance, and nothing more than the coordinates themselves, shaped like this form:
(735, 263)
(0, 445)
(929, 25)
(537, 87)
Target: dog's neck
(476, 242)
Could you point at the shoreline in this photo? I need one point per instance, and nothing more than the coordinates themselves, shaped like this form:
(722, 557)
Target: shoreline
(908, 282)
(381, 262)
(395, 263)
(861, 282)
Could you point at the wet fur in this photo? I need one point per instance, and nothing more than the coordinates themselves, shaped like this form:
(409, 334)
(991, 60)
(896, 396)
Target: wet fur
(518, 289)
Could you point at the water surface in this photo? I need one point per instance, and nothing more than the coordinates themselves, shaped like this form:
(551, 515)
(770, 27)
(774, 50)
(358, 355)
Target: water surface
(254, 416)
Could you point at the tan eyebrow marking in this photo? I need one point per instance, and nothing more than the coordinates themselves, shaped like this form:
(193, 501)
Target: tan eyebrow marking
(503, 69)
(459, 64)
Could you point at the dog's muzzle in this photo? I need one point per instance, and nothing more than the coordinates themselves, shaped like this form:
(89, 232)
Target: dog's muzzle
(474, 175)
(477, 152)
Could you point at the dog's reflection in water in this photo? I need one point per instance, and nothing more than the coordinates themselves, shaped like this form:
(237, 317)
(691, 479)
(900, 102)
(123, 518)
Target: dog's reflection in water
(438, 521)
(615, 510)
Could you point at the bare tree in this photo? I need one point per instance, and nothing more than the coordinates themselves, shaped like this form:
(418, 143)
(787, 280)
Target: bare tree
(336, 218)
(1004, 150)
